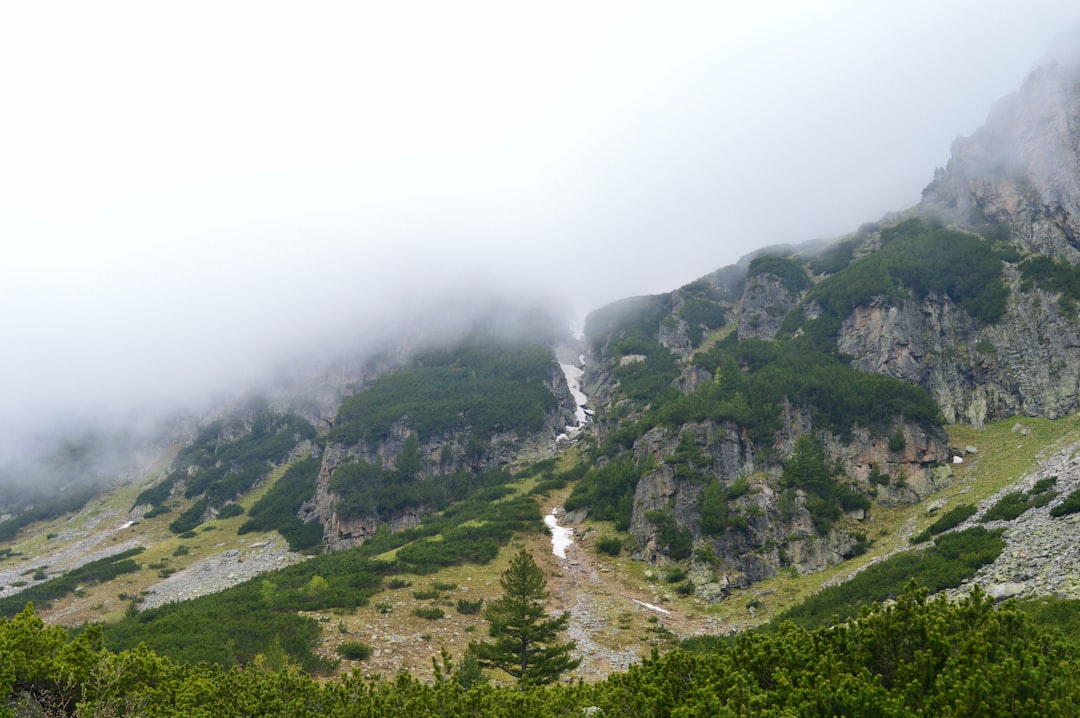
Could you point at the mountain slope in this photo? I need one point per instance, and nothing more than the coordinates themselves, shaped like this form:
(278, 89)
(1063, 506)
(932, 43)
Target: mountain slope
(771, 426)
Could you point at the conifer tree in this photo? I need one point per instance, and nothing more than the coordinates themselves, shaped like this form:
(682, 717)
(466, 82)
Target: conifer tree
(525, 641)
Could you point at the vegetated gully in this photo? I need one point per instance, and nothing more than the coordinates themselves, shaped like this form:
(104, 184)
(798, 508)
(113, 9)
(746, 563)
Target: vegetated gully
(602, 603)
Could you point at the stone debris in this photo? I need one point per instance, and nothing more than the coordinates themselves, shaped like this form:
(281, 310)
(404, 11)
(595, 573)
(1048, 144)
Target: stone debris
(1042, 554)
(222, 571)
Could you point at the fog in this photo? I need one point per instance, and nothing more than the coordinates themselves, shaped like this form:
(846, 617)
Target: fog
(192, 197)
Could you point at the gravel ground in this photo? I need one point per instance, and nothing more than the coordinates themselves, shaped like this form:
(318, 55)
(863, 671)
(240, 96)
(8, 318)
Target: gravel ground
(222, 571)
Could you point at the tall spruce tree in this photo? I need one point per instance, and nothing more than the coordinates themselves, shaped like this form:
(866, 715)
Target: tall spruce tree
(525, 641)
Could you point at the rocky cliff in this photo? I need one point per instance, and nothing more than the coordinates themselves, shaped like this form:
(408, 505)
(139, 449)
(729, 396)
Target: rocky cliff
(1015, 183)
(456, 449)
(1021, 170)
(1028, 364)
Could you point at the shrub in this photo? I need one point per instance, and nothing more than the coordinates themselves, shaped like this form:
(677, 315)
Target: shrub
(229, 510)
(278, 508)
(354, 651)
(952, 559)
(789, 271)
(431, 614)
(950, 519)
(1043, 485)
(1008, 507)
(609, 545)
(157, 511)
(469, 608)
(1070, 505)
(675, 575)
(669, 536)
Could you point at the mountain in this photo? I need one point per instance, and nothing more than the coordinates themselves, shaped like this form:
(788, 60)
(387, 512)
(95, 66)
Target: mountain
(813, 410)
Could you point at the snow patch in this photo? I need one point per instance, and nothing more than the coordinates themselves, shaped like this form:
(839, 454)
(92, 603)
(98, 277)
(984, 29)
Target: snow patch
(562, 538)
(573, 380)
(651, 607)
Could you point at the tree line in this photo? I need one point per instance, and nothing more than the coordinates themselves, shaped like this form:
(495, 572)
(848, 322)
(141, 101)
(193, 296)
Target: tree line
(917, 656)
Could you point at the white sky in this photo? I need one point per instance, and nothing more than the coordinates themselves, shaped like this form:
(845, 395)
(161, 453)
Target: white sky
(189, 188)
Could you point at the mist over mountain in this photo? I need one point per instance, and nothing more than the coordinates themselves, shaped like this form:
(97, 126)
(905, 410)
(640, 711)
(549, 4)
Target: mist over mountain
(178, 231)
(609, 325)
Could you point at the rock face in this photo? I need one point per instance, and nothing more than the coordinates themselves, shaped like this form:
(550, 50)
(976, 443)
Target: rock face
(452, 451)
(1015, 179)
(765, 303)
(775, 531)
(1029, 363)
(1022, 168)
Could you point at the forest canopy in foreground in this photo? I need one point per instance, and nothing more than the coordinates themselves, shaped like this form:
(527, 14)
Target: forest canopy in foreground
(914, 657)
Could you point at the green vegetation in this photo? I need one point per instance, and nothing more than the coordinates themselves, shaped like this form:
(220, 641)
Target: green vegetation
(71, 499)
(525, 644)
(718, 515)
(953, 558)
(923, 258)
(835, 258)
(191, 518)
(755, 378)
(1053, 275)
(788, 270)
(469, 608)
(426, 594)
(470, 531)
(223, 462)
(370, 490)
(278, 508)
(1015, 503)
(674, 540)
(228, 511)
(1070, 505)
(607, 492)
(632, 318)
(916, 657)
(700, 311)
(354, 651)
(42, 594)
(826, 497)
(948, 520)
(483, 383)
(231, 627)
(609, 545)
(648, 375)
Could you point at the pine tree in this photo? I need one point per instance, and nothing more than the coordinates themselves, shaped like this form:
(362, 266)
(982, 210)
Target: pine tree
(525, 644)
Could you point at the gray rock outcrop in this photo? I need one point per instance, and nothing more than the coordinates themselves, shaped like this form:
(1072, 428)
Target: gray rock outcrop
(765, 303)
(1022, 168)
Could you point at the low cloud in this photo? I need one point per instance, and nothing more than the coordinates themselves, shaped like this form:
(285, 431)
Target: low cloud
(189, 206)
